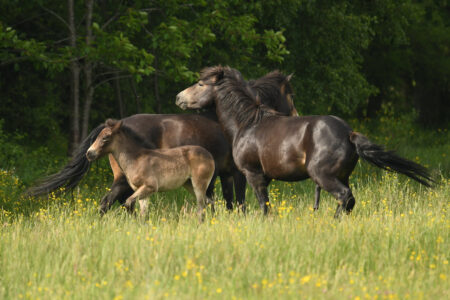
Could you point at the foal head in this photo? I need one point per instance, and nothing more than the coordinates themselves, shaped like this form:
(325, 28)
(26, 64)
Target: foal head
(104, 141)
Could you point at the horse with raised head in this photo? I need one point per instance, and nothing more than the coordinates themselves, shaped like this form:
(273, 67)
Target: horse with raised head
(153, 170)
(172, 130)
(267, 145)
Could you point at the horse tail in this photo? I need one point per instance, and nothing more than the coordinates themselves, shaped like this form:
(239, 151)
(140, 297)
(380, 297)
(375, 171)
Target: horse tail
(73, 171)
(388, 160)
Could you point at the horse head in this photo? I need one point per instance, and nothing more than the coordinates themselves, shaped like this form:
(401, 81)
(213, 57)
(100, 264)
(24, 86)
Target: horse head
(103, 142)
(202, 93)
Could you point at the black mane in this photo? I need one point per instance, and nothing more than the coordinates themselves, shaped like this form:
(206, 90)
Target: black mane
(129, 132)
(268, 87)
(236, 96)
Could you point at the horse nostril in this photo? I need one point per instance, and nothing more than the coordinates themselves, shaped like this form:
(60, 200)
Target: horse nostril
(90, 155)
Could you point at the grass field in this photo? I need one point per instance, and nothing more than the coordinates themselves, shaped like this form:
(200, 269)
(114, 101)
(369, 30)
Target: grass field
(395, 244)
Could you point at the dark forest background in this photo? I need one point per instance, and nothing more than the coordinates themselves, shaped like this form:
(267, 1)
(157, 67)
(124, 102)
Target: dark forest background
(66, 66)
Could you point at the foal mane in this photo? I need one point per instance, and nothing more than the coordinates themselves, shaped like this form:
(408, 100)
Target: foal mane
(235, 95)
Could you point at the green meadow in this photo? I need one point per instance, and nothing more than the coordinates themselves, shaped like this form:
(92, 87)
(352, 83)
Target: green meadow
(395, 244)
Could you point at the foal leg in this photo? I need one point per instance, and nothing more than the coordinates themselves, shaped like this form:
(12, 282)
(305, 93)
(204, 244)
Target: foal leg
(239, 189)
(188, 186)
(143, 206)
(317, 197)
(142, 192)
(200, 185)
(259, 184)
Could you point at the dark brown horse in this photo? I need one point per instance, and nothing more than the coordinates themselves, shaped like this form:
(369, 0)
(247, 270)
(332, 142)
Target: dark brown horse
(269, 146)
(150, 171)
(168, 131)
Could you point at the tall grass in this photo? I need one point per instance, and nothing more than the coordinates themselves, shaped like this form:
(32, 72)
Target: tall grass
(395, 244)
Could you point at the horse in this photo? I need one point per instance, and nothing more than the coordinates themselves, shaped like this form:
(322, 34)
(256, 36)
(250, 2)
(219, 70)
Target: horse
(152, 170)
(172, 130)
(267, 145)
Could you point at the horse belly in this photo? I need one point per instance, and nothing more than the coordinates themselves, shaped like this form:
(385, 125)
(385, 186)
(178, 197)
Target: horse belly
(286, 172)
(172, 181)
(288, 165)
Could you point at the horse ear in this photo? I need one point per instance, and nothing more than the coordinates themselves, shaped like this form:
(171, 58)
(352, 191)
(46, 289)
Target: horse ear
(289, 77)
(110, 122)
(219, 75)
(113, 124)
(116, 126)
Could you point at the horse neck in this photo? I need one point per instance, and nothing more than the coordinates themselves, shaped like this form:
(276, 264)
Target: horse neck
(228, 118)
(125, 150)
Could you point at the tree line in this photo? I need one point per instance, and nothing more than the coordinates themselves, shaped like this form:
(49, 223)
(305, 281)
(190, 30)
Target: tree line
(68, 65)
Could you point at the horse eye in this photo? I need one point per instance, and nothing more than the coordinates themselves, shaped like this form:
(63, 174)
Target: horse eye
(200, 84)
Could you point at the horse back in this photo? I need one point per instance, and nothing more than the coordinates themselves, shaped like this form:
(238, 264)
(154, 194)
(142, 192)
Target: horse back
(172, 130)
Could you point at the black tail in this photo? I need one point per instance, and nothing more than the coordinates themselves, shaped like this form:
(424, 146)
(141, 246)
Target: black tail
(388, 160)
(72, 173)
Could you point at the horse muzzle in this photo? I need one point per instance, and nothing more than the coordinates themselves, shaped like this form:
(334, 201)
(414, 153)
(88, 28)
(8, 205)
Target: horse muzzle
(91, 155)
(180, 103)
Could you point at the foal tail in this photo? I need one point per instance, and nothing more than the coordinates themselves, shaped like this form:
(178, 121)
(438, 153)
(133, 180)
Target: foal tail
(388, 160)
(72, 172)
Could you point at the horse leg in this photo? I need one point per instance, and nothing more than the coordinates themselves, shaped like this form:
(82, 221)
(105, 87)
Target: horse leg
(201, 202)
(226, 181)
(351, 201)
(259, 184)
(317, 197)
(210, 189)
(142, 192)
(188, 186)
(200, 185)
(340, 191)
(239, 189)
(120, 191)
(143, 206)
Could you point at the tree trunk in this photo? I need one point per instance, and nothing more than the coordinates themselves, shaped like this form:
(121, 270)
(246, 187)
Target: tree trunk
(88, 67)
(156, 87)
(74, 83)
(136, 96)
(119, 96)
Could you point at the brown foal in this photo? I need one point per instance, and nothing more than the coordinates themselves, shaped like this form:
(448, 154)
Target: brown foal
(150, 171)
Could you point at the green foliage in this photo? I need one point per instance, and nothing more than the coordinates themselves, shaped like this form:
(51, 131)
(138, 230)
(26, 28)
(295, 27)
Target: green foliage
(13, 48)
(325, 43)
(25, 161)
(348, 58)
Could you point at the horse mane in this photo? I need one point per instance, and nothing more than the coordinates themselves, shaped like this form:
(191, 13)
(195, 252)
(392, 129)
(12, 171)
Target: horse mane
(129, 132)
(236, 96)
(268, 87)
